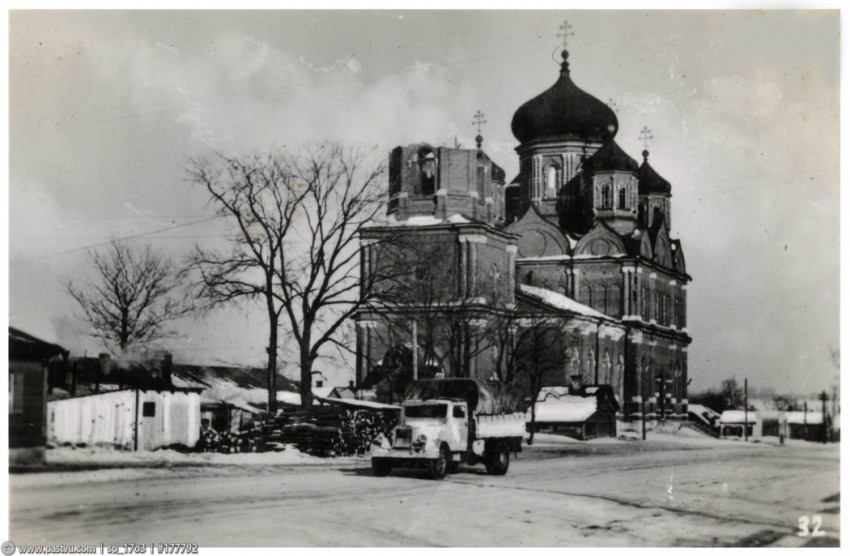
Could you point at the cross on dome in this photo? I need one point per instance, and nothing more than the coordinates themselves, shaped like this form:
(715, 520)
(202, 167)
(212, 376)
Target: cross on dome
(477, 121)
(646, 137)
(566, 33)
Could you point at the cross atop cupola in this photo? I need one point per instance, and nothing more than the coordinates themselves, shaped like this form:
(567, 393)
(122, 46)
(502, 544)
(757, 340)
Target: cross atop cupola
(477, 121)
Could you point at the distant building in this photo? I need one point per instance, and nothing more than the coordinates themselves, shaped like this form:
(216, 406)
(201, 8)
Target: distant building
(809, 425)
(29, 361)
(733, 422)
(590, 412)
(582, 232)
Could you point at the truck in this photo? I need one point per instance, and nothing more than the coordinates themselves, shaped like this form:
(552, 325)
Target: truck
(448, 422)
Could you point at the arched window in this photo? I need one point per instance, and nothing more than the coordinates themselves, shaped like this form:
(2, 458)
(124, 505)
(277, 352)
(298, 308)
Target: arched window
(677, 383)
(573, 363)
(586, 295)
(551, 175)
(605, 193)
(615, 302)
(622, 201)
(600, 298)
(427, 171)
(495, 276)
(529, 278)
(590, 369)
(656, 214)
(642, 215)
(606, 369)
(618, 378)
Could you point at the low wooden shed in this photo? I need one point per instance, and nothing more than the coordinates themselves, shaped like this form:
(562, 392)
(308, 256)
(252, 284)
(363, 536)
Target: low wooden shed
(583, 413)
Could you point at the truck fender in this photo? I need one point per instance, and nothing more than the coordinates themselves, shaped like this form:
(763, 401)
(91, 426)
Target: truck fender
(478, 447)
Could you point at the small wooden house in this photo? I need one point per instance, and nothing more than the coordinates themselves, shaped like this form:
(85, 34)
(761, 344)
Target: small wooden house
(732, 423)
(130, 419)
(584, 413)
(29, 359)
(808, 425)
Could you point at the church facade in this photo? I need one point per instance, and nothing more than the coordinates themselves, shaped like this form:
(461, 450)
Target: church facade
(582, 233)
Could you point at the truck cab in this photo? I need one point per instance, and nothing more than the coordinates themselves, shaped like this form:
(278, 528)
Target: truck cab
(439, 432)
(428, 424)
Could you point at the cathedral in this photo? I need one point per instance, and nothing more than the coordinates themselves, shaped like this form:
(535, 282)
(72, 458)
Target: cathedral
(582, 232)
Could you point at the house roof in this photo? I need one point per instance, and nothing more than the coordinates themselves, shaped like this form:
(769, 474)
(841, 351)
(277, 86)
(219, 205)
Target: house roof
(804, 418)
(26, 347)
(735, 416)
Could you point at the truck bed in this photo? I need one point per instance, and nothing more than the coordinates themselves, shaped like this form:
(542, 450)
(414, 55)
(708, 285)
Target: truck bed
(507, 425)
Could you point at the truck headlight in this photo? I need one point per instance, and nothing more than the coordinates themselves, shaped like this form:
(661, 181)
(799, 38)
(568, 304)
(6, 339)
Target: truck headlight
(419, 443)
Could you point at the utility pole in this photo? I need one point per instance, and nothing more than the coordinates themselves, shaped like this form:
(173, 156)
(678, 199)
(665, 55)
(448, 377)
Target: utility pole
(834, 390)
(643, 407)
(415, 343)
(823, 398)
(746, 414)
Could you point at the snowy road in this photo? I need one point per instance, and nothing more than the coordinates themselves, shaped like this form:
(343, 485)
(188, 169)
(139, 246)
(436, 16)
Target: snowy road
(604, 493)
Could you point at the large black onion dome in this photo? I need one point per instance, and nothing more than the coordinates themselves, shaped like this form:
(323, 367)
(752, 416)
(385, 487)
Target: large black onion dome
(610, 157)
(565, 112)
(648, 179)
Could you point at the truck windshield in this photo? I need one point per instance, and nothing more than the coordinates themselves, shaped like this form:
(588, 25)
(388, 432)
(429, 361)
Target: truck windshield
(425, 411)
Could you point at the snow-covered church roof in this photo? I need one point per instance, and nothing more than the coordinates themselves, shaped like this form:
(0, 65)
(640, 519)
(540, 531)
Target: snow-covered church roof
(562, 302)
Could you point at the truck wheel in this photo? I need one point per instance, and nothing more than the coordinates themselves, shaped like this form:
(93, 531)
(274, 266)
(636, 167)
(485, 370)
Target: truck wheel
(381, 468)
(497, 460)
(440, 466)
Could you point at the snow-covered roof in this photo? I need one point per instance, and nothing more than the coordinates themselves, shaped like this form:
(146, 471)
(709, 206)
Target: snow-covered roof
(736, 416)
(544, 259)
(565, 409)
(702, 410)
(361, 403)
(801, 417)
(420, 220)
(560, 301)
(322, 392)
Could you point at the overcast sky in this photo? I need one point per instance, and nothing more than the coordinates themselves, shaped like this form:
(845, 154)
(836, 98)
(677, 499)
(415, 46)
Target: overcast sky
(107, 107)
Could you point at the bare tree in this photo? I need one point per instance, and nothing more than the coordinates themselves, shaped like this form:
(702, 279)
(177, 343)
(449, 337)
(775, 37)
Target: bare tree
(298, 216)
(530, 346)
(419, 284)
(131, 297)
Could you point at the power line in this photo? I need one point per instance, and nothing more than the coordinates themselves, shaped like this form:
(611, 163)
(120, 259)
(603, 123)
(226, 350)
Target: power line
(124, 238)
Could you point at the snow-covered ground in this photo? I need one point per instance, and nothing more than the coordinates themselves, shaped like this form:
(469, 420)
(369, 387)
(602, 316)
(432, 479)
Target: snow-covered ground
(672, 490)
(68, 457)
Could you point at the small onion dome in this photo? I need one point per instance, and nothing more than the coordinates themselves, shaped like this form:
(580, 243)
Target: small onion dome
(610, 157)
(648, 179)
(564, 112)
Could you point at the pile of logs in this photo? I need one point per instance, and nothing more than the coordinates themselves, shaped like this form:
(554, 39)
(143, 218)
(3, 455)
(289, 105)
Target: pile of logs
(327, 430)
(227, 442)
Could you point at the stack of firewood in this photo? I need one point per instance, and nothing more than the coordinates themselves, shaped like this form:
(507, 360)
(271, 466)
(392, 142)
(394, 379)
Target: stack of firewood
(327, 430)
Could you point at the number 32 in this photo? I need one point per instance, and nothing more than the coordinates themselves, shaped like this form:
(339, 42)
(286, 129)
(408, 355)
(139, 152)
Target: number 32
(816, 522)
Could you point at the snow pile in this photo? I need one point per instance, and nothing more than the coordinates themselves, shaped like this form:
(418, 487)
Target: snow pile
(560, 301)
